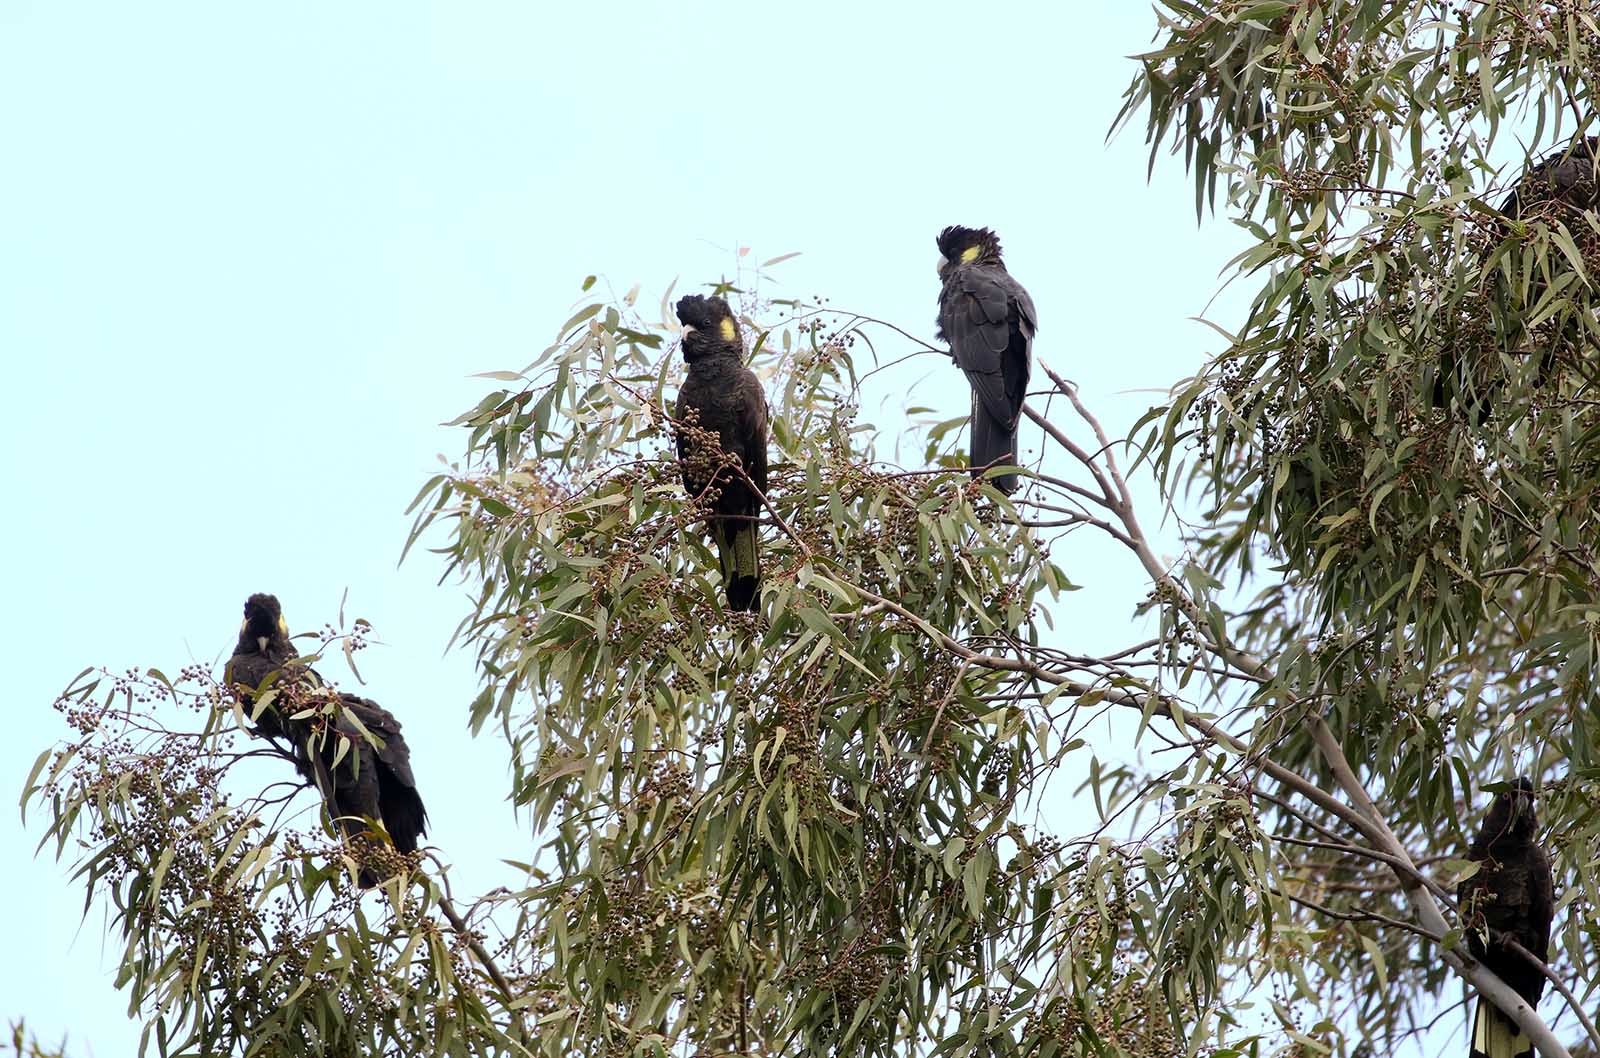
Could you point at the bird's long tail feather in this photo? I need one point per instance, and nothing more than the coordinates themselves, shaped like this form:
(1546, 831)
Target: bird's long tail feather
(993, 444)
(1496, 1036)
(403, 813)
(739, 549)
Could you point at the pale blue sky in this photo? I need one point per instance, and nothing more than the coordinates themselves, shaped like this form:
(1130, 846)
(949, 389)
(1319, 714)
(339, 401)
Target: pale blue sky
(250, 253)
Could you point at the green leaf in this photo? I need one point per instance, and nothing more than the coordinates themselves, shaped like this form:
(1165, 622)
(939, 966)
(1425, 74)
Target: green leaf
(28, 786)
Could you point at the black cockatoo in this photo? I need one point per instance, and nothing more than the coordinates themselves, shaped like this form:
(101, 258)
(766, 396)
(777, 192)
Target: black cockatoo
(989, 321)
(1562, 188)
(727, 400)
(1512, 896)
(1560, 185)
(373, 780)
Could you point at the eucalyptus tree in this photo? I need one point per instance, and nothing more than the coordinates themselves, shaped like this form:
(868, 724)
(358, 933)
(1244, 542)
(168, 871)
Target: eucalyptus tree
(829, 827)
(1395, 460)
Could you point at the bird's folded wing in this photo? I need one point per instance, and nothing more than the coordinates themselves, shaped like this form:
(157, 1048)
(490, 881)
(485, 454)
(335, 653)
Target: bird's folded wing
(1027, 316)
(753, 415)
(989, 397)
(978, 325)
(384, 726)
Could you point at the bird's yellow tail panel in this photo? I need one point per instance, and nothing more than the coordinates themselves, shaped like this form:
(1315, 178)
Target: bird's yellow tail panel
(1496, 1036)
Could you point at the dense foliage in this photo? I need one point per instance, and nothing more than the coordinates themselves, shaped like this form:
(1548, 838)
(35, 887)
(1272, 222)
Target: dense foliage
(1398, 449)
(792, 826)
(836, 827)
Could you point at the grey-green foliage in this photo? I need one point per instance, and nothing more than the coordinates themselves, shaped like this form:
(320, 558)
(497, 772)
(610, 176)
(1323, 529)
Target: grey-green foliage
(810, 831)
(1399, 448)
(241, 934)
(799, 830)
(835, 828)
(786, 828)
(25, 1044)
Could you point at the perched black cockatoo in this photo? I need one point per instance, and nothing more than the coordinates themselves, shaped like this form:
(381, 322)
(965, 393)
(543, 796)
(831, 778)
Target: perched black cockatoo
(373, 781)
(989, 321)
(1512, 896)
(1561, 188)
(1560, 185)
(727, 400)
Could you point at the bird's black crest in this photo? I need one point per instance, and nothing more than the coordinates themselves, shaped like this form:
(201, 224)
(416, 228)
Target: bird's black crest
(956, 240)
(262, 613)
(262, 602)
(697, 310)
(1560, 186)
(710, 326)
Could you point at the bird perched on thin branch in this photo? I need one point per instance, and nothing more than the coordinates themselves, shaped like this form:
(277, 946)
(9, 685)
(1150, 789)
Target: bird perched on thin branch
(722, 412)
(1512, 897)
(371, 780)
(1560, 189)
(989, 321)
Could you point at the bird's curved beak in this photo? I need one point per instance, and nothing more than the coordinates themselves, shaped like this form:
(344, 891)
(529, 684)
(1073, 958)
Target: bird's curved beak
(944, 262)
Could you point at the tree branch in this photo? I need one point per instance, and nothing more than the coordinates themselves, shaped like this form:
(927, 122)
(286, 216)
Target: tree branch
(490, 967)
(1372, 823)
(1507, 941)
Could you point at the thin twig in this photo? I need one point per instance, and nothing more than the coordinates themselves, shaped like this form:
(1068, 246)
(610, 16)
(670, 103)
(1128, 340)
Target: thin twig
(1363, 916)
(489, 965)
